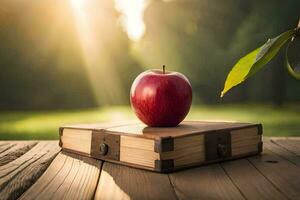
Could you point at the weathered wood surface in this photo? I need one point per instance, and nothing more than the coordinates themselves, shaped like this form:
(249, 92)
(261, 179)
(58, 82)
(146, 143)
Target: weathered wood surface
(68, 177)
(36, 170)
(14, 151)
(292, 145)
(207, 182)
(121, 182)
(250, 181)
(281, 151)
(18, 175)
(284, 175)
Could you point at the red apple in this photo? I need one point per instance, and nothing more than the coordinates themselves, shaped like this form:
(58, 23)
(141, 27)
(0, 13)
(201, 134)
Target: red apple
(161, 98)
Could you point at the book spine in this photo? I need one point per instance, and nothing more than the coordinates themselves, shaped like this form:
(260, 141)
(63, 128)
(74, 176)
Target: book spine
(164, 145)
(260, 132)
(60, 131)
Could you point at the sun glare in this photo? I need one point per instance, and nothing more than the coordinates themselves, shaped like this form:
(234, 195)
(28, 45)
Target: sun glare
(90, 18)
(132, 17)
(77, 4)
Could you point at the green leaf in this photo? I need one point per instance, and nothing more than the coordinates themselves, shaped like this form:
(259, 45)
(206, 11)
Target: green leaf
(254, 61)
(293, 72)
(239, 71)
(269, 50)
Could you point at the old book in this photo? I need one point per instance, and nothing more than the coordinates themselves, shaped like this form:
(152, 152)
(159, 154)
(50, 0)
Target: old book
(192, 143)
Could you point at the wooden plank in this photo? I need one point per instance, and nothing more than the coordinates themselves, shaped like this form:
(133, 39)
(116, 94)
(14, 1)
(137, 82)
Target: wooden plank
(207, 182)
(6, 146)
(17, 176)
(121, 182)
(250, 181)
(69, 176)
(17, 150)
(279, 150)
(284, 175)
(291, 145)
(293, 138)
(52, 171)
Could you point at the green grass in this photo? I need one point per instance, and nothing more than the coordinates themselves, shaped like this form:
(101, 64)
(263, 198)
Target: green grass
(284, 121)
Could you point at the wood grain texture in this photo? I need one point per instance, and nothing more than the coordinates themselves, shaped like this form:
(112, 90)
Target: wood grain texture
(250, 181)
(6, 146)
(138, 151)
(244, 141)
(137, 143)
(282, 152)
(184, 128)
(121, 182)
(112, 142)
(207, 182)
(138, 156)
(71, 137)
(17, 149)
(273, 175)
(69, 176)
(284, 175)
(187, 150)
(18, 175)
(140, 130)
(291, 145)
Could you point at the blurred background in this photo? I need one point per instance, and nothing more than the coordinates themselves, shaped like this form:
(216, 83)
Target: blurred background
(73, 61)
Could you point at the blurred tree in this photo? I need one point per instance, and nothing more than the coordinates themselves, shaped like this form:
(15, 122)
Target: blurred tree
(42, 58)
(204, 39)
(267, 19)
(55, 54)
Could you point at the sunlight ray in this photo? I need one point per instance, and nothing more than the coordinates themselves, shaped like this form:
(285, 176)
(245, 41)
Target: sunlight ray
(96, 55)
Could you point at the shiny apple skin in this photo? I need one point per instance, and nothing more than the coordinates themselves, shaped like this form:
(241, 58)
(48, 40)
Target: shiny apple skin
(161, 99)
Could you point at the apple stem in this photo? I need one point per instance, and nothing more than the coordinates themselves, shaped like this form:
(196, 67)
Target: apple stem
(164, 69)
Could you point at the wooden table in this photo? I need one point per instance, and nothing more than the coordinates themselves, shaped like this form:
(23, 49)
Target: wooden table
(38, 170)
